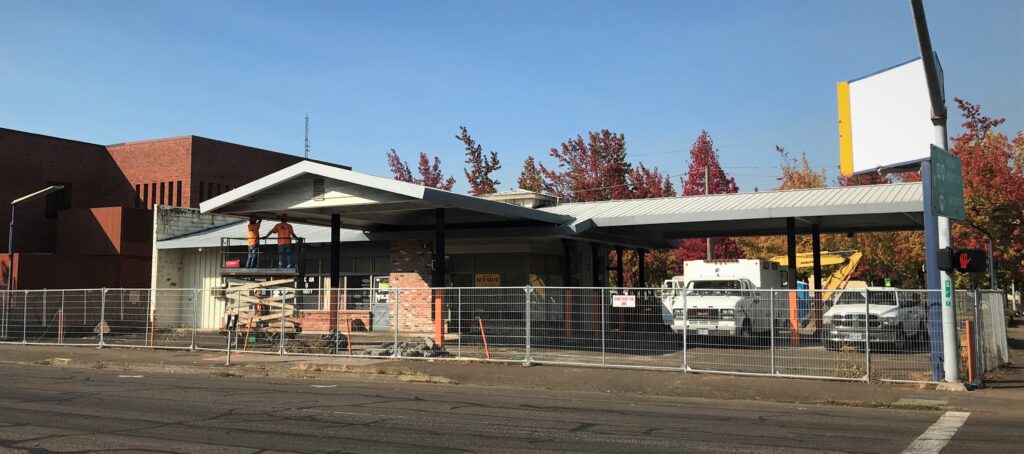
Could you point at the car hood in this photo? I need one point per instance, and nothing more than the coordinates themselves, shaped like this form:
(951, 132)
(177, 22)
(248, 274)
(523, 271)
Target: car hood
(880, 310)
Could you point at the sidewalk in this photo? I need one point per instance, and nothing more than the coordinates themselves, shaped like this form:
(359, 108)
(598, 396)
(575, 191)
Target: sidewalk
(1005, 395)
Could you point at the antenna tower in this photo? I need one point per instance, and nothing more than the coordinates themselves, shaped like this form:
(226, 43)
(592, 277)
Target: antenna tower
(307, 135)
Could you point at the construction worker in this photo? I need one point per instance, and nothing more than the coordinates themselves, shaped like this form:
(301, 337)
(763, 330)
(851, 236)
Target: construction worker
(284, 232)
(253, 229)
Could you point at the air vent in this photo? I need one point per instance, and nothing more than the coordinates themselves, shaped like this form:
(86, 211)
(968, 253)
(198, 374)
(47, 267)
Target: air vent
(318, 189)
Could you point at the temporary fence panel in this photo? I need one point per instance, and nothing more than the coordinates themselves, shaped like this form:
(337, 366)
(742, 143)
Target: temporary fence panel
(856, 334)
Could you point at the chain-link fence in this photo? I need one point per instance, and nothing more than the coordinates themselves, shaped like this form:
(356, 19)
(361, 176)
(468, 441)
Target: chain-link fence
(713, 327)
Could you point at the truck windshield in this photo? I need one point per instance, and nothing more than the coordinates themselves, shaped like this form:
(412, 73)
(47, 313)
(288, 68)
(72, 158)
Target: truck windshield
(715, 285)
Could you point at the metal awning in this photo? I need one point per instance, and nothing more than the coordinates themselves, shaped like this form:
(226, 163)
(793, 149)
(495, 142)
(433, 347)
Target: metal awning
(311, 192)
(848, 209)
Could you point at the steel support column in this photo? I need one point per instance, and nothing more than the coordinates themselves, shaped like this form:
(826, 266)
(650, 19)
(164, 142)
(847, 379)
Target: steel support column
(641, 274)
(437, 278)
(335, 269)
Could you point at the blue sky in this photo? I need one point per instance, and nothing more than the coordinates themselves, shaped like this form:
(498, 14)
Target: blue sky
(524, 76)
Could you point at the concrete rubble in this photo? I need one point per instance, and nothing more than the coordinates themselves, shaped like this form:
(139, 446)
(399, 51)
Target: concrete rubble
(425, 348)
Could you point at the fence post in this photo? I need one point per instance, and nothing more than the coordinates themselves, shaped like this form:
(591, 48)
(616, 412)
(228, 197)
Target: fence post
(280, 336)
(867, 336)
(527, 291)
(103, 314)
(394, 351)
(771, 329)
(195, 316)
(686, 330)
(458, 351)
(60, 319)
(24, 317)
(603, 325)
(980, 355)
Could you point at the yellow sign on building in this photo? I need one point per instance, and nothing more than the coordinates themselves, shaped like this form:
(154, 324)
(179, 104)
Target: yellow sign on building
(487, 280)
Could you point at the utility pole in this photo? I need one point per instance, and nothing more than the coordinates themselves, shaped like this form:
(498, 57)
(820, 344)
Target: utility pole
(307, 135)
(707, 190)
(937, 231)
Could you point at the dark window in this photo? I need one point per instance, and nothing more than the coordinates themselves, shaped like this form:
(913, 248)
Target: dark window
(152, 195)
(201, 187)
(138, 196)
(178, 198)
(209, 192)
(218, 189)
(162, 193)
(170, 193)
(59, 200)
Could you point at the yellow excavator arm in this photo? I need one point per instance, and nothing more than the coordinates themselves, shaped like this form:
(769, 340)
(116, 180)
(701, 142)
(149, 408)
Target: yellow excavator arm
(839, 278)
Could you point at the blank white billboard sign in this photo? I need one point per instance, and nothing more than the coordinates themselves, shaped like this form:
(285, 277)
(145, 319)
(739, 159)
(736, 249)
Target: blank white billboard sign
(884, 119)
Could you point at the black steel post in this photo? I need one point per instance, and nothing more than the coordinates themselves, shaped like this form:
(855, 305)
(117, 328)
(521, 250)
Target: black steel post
(335, 268)
(619, 278)
(641, 269)
(816, 253)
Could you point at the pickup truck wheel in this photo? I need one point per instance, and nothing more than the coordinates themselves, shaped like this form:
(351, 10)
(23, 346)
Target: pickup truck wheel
(829, 345)
(900, 345)
(745, 330)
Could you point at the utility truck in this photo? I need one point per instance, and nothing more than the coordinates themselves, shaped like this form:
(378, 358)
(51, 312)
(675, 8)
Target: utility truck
(723, 297)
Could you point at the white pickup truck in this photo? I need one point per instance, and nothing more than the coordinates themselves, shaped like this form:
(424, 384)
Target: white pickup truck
(885, 316)
(722, 297)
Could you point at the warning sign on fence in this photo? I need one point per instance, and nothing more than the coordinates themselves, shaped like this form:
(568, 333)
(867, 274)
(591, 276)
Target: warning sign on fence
(623, 300)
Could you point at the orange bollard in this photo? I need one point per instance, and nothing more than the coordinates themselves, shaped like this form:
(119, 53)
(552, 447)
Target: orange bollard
(794, 322)
(483, 334)
(439, 317)
(348, 332)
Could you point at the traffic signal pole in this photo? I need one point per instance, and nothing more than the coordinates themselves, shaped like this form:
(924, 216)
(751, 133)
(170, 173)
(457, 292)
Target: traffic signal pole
(937, 228)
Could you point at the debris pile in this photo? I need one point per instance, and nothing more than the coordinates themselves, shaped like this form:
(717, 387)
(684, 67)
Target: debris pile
(425, 348)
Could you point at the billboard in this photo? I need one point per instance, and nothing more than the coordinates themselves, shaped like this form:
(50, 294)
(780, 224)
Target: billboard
(885, 119)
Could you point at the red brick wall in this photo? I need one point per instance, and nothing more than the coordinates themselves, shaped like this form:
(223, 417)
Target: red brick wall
(29, 162)
(410, 272)
(226, 166)
(149, 163)
(105, 231)
(320, 321)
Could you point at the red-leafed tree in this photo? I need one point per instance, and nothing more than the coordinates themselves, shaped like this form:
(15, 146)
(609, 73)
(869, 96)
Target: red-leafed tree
(480, 166)
(430, 174)
(704, 161)
(398, 167)
(531, 179)
(993, 192)
(647, 183)
(589, 170)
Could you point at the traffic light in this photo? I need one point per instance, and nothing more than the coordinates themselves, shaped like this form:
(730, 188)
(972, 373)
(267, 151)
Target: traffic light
(963, 260)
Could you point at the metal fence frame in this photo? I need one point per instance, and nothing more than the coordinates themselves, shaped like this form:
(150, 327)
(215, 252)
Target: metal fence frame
(574, 326)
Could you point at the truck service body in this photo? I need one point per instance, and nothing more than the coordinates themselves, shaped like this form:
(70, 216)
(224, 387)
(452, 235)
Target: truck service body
(721, 297)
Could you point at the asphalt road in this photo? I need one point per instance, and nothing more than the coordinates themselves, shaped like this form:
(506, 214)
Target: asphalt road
(49, 409)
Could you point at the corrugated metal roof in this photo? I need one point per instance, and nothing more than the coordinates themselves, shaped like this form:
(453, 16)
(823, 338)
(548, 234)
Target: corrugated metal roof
(806, 203)
(212, 237)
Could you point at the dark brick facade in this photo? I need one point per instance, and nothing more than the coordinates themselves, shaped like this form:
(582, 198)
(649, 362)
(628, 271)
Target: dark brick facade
(179, 171)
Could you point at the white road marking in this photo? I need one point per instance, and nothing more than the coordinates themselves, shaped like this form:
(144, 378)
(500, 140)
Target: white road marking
(939, 434)
(130, 376)
(324, 386)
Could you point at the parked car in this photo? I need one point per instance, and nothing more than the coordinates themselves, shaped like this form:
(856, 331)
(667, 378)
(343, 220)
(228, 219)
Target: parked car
(886, 317)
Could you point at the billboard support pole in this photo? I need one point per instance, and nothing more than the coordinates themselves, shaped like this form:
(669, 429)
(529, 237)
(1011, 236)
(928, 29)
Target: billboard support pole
(937, 229)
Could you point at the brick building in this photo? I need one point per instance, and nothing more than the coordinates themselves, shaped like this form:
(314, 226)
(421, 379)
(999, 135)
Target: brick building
(98, 230)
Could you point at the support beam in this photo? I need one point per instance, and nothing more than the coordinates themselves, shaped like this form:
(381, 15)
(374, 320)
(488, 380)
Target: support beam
(567, 262)
(816, 254)
(619, 278)
(641, 269)
(816, 258)
(335, 269)
(437, 280)
(791, 250)
(595, 266)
